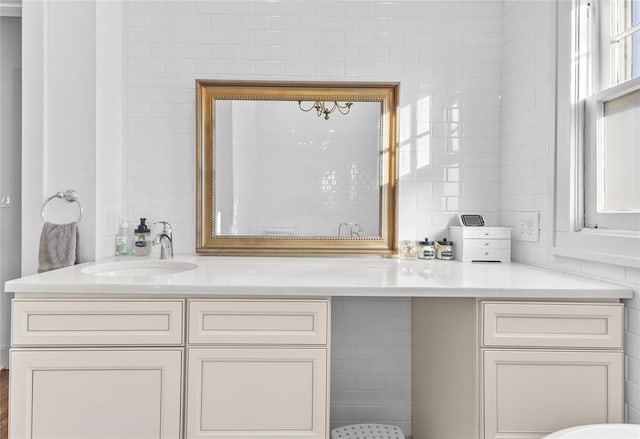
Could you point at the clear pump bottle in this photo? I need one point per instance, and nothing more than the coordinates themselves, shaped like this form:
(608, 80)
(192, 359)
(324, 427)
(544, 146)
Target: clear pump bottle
(122, 240)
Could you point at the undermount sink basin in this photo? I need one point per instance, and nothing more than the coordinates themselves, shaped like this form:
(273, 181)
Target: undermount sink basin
(138, 268)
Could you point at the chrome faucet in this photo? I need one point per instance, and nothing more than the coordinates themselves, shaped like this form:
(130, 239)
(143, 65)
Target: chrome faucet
(165, 239)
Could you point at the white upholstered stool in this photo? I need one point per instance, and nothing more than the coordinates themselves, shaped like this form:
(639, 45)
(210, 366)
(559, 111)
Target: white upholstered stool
(367, 431)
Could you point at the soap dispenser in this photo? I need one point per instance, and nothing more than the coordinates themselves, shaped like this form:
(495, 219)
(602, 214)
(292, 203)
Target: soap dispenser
(141, 244)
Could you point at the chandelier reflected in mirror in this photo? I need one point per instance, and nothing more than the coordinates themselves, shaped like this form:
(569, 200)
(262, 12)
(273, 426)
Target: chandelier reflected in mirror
(323, 110)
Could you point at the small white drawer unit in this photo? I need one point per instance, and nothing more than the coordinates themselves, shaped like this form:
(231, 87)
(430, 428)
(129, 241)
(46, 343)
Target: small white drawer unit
(487, 244)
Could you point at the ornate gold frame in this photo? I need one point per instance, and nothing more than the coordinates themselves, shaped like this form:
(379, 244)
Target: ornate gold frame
(209, 243)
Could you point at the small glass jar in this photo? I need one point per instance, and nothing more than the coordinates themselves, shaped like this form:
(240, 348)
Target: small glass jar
(426, 249)
(445, 250)
(407, 249)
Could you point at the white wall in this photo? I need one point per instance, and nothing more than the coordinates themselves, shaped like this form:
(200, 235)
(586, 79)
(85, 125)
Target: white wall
(445, 54)
(10, 125)
(72, 135)
(527, 162)
(70, 111)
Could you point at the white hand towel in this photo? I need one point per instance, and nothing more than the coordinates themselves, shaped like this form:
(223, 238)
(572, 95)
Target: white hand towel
(58, 246)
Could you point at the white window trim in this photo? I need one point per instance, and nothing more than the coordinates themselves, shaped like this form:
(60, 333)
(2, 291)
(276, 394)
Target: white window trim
(599, 78)
(10, 8)
(595, 211)
(619, 247)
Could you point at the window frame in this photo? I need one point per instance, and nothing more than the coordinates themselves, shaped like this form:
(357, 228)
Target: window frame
(571, 237)
(600, 91)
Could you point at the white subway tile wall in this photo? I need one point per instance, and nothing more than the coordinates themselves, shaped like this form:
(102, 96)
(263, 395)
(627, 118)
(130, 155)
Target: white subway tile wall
(445, 54)
(371, 361)
(526, 172)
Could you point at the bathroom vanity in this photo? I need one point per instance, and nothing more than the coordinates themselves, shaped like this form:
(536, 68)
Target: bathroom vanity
(239, 347)
(515, 368)
(250, 368)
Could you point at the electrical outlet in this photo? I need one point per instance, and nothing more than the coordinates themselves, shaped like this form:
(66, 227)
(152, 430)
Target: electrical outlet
(528, 227)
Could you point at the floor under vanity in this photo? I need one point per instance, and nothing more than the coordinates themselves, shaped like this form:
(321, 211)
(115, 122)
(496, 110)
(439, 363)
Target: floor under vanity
(230, 348)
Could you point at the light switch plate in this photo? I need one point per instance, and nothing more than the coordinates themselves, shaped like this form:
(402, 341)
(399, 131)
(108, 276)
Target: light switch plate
(5, 201)
(111, 220)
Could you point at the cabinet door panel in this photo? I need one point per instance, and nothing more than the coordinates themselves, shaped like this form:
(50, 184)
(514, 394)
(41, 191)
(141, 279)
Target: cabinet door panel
(257, 393)
(528, 394)
(95, 394)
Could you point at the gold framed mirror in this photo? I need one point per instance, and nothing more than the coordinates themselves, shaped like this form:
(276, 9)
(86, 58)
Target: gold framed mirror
(295, 167)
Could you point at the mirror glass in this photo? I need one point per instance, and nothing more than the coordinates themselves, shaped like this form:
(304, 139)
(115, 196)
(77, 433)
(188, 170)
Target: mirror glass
(282, 171)
(296, 167)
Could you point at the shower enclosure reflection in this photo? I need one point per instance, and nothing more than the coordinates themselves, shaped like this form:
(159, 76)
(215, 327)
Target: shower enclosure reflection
(283, 172)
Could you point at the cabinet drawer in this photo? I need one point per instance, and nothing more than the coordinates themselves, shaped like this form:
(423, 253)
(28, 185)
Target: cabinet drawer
(484, 244)
(487, 233)
(490, 254)
(93, 323)
(550, 324)
(254, 321)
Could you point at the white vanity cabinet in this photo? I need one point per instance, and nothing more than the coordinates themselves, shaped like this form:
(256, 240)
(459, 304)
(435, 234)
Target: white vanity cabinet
(128, 384)
(108, 368)
(497, 369)
(231, 349)
(258, 368)
(548, 366)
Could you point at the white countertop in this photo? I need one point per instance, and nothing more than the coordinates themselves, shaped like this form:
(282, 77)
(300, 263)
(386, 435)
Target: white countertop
(327, 276)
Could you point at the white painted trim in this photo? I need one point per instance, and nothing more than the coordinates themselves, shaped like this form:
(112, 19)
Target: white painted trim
(622, 35)
(619, 90)
(110, 121)
(595, 212)
(10, 8)
(599, 247)
(567, 153)
(34, 128)
(4, 358)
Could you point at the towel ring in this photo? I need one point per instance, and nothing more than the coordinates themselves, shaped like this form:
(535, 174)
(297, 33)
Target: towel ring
(70, 195)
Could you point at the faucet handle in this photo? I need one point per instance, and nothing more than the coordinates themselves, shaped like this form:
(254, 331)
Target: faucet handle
(166, 227)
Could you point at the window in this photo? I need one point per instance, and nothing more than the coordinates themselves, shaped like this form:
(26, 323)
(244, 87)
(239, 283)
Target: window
(597, 141)
(609, 89)
(622, 40)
